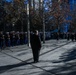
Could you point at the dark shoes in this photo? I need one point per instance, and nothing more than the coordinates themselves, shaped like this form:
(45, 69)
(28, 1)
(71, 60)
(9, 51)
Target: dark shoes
(36, 61)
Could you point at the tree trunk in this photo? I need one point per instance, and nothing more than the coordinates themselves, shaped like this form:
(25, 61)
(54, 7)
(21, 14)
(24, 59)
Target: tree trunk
(34, 5)
(43, 22)
(43, 29)
(28, 24)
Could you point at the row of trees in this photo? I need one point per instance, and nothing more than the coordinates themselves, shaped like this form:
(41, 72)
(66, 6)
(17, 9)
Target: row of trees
(42, 14)
(55, 13)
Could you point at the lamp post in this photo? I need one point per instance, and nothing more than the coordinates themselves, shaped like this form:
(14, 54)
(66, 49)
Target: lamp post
(28, 24)
(42, 1)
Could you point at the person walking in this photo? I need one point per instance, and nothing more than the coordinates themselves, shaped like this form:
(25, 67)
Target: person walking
(57, 36)
(75, 36)
(1, 40)
(68, 36)
(13, 38)
(72, 36)
(17, 38)
(35, 45)
(7, 39)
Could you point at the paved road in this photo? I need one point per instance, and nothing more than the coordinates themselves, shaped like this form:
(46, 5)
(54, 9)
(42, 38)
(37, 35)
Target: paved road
(56, 58)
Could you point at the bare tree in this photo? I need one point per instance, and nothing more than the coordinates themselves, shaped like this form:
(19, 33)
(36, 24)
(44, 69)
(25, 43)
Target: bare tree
(73, 18)
(59, 12)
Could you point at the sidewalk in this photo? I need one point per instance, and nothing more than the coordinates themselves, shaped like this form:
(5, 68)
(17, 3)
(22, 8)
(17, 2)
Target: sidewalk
(56, 58)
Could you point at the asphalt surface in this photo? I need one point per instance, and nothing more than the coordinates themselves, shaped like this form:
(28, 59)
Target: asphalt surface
(56, 58)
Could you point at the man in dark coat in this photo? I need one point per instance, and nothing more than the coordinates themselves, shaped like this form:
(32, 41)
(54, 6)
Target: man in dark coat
(35, 45)
(57, 36)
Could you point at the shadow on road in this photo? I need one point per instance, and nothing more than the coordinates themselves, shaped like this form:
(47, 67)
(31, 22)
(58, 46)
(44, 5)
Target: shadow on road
(8, 67)
(68, 67)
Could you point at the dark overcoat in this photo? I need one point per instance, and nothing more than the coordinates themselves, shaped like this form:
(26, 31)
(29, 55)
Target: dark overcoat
(35, 41)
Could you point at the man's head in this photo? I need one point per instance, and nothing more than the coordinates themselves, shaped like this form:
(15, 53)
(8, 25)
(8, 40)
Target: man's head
(36, 32)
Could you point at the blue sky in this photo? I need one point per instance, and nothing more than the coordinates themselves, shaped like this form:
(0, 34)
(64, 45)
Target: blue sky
(9, 0)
